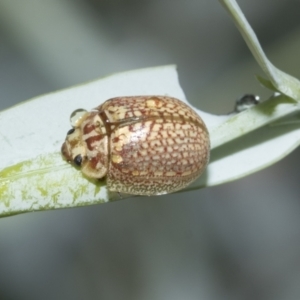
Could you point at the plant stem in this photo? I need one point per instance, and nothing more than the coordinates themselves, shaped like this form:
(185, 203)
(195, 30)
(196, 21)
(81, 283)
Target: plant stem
(253, 118)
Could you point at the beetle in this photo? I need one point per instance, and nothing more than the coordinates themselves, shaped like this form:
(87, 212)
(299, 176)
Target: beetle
(144, 145)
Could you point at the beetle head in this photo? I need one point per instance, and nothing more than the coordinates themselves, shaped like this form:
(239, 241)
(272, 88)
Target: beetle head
(73, 149)
(85, 145)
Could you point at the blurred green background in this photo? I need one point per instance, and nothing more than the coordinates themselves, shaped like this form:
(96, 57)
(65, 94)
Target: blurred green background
(240, 240)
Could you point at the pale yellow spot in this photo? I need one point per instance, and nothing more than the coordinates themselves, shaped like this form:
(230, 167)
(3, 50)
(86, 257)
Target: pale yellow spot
(145, 145)
(168, 126)
(186, 126)
(116, 159)
(123, 134)
(186, 173)
(150, 103)
(172, 134)
(170, 142)
(148, 124)
(170, 105)
(123, 140)
(164, 134)
(154, 113)
(143, 152)
(118, 147)
(158, 173)
(137, 113)
(115, 113)
(152, 136)
(157, 127)
(121, 113)
(185, 154)
(170, 173)
(153, 103)
(135, 173)
(160, 149)
(179, 141)
(180, 133)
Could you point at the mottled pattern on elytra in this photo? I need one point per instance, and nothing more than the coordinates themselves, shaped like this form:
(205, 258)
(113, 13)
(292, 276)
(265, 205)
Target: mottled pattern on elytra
(157, 144)
(145, 145)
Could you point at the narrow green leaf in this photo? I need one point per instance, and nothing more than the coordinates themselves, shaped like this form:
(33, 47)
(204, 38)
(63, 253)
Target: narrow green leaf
(266, 83)
(282, 81)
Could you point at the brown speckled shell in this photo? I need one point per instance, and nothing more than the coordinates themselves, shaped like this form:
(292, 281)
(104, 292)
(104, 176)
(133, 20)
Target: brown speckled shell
(156, 144)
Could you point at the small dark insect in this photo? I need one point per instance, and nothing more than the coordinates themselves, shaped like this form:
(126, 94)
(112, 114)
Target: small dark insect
(246, 102)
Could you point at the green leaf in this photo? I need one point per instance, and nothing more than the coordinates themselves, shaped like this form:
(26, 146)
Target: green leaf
(266, 83)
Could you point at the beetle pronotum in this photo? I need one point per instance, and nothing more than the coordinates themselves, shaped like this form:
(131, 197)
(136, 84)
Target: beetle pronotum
(144, 145)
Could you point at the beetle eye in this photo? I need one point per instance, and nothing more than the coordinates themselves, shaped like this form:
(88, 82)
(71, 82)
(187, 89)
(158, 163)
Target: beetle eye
(78, 160)
(71, 131)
